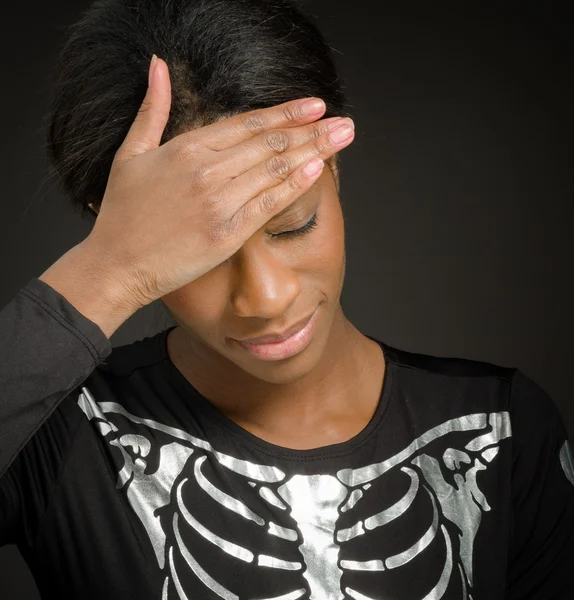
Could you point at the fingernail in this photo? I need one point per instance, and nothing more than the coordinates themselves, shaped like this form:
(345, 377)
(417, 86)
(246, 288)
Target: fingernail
(341, 121)
(151, 69)
(313, 167)
(335, 123)
(313, 107)
(342, 134)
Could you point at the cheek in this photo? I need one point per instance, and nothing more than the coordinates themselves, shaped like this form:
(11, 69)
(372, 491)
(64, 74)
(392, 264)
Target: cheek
(328, 248)
(195, 304)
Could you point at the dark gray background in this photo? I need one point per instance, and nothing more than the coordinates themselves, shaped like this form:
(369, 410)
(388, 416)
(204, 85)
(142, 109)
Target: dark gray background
(457, 191)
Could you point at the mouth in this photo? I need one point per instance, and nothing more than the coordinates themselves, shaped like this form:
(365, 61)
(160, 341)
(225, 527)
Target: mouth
(288, 346)
(278, 337)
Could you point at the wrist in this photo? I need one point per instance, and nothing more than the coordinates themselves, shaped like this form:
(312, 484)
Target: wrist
(89, 281)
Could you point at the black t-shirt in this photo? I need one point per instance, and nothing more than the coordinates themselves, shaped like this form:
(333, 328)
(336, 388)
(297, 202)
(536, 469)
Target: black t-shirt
(118, 480)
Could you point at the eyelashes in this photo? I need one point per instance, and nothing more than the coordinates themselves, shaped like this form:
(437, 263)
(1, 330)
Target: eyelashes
(302, 231)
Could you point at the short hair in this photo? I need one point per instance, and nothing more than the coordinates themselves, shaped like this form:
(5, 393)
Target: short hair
(225, 57)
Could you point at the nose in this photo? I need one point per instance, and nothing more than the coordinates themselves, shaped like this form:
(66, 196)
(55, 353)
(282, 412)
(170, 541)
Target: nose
(263, 284)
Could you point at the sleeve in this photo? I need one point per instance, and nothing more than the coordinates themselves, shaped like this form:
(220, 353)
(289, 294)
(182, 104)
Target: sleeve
(47, 349)
(541, 555)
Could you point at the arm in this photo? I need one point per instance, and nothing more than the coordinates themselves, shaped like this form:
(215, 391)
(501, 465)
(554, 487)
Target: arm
(53, 334)
(541, 558)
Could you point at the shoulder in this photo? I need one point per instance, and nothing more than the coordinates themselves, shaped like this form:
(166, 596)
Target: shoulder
(137, 355)
(481, 383)
(447, 366)
(446, 386)
(532, 409)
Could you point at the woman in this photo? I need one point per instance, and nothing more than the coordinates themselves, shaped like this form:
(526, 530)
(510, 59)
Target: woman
(192, 464)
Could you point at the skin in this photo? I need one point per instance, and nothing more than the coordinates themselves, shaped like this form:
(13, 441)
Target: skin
(328, 392)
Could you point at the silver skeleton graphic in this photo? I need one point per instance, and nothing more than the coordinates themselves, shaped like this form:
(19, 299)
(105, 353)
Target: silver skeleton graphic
(315, 503)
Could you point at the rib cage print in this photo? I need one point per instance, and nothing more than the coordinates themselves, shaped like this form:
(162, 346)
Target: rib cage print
(316, 536)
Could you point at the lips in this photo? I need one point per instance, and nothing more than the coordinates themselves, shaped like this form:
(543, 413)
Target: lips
(278, 337)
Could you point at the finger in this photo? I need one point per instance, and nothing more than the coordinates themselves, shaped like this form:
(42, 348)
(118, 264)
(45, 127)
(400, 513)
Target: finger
(234, 130)
(271, 202)
(241, 158)
(147, 129)
(276, 169)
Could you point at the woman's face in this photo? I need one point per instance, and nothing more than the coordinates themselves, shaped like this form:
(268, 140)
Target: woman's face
(269, 284)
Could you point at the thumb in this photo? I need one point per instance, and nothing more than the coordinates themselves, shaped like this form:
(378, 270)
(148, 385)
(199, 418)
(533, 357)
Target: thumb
(153, 114)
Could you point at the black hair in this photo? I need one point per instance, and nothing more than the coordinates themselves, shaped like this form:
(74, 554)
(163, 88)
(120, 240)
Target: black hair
(225, 57)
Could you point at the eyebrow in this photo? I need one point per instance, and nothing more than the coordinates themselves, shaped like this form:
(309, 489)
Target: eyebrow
(294, 204)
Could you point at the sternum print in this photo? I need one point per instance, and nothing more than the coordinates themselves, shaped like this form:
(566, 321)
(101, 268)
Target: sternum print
(314, 501)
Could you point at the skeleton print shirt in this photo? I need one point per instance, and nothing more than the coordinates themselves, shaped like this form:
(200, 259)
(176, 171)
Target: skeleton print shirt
(118, 480)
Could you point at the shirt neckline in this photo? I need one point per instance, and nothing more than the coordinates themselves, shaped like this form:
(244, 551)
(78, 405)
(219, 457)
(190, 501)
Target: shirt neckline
(247, 438)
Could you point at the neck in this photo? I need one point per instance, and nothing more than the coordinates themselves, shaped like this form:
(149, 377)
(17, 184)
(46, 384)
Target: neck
(341, 368)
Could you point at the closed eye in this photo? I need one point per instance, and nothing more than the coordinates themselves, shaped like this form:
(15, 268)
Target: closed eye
(303, 230)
